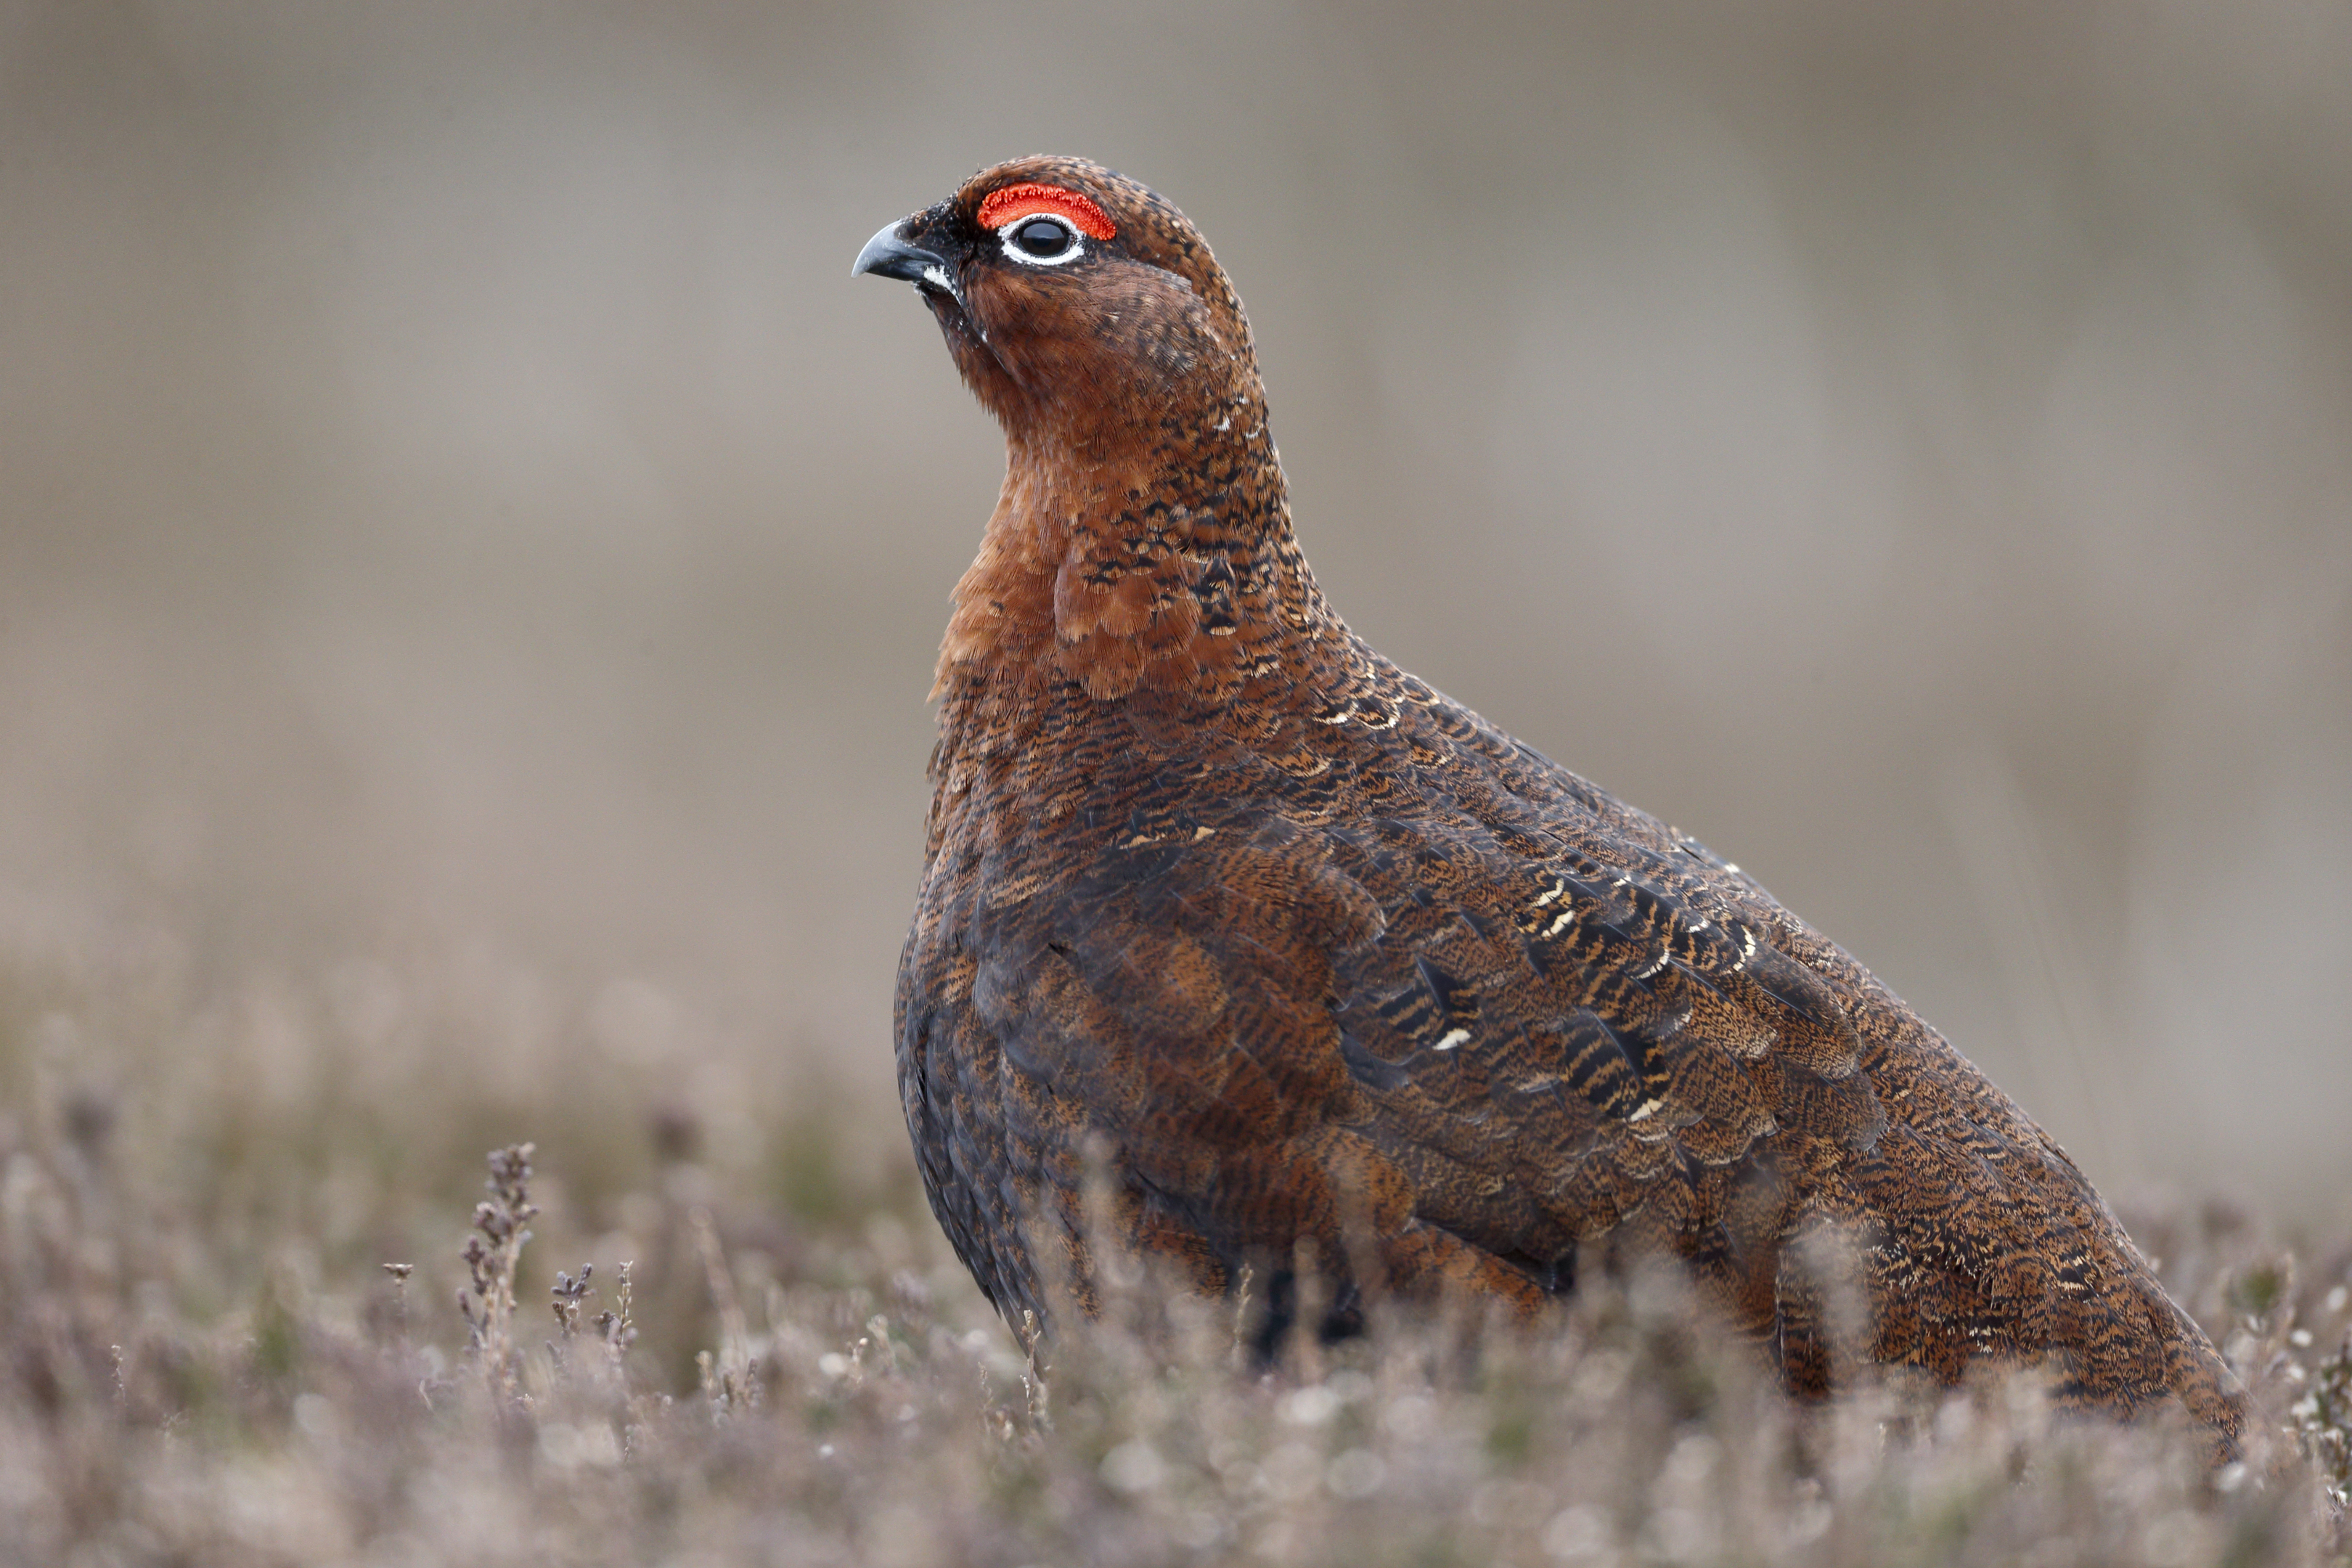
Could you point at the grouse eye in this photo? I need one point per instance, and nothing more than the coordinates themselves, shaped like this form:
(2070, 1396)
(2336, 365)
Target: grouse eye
(1040, 226)
(1042, 239)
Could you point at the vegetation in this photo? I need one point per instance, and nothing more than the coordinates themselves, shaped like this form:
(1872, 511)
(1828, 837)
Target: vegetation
(247, 1322)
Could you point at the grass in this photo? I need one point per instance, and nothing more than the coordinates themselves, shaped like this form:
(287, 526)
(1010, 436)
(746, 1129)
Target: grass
(247, 1322)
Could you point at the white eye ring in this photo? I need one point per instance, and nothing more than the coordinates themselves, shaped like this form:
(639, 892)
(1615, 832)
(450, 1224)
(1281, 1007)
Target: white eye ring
(1070, 252)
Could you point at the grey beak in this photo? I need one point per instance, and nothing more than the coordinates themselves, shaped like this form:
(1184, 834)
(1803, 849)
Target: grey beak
(892, 256)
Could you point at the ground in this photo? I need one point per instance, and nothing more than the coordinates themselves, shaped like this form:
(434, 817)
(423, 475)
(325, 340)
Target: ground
(243, 1329)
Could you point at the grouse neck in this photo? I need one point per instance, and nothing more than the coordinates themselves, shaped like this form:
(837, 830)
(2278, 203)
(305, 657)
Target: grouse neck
(1158, 567)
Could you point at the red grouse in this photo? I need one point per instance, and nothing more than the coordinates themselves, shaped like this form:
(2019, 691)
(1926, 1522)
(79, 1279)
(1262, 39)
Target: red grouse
(1301, 950)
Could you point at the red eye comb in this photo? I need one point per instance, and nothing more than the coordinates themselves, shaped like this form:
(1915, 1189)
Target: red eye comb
(1014, 203)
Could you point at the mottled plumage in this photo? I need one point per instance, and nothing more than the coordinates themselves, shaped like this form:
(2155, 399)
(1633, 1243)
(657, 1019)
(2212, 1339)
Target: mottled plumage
(1303, 948)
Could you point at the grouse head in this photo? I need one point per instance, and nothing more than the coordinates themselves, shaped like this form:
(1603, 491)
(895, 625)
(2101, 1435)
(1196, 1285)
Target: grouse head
(1082, 309)
(1142, 538)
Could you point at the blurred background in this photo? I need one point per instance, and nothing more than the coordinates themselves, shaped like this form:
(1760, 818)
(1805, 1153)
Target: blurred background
(471, 559)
